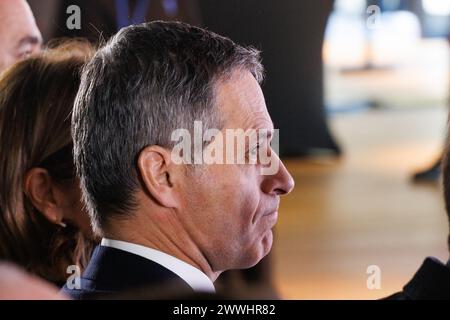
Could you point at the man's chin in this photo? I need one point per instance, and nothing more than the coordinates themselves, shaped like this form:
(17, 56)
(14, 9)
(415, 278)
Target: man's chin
(267, 243)
(260, 251)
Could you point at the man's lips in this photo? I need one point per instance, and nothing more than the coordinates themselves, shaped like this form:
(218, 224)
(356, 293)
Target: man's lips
(273, 212)
(273, 209)
(271, 218)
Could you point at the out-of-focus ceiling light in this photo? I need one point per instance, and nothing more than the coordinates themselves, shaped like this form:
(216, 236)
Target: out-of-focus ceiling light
(436, 7)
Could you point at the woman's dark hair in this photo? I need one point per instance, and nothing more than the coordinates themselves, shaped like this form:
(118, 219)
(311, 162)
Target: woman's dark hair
(36, 101)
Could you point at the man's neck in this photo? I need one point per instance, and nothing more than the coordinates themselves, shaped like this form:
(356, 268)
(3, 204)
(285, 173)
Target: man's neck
(175, 242)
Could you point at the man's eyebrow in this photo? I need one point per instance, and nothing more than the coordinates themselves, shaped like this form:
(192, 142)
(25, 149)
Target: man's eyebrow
(29, 40)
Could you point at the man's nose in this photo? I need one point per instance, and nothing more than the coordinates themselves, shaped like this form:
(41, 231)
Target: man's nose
(280, 183)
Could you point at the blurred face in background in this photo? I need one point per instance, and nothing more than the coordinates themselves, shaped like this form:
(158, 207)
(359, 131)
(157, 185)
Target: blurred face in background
(19, 35)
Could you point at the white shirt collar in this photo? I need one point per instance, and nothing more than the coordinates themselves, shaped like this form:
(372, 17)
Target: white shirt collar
(195, 278)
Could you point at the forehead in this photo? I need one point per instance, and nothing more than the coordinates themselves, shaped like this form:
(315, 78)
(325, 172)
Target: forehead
(16, 21)
(241, 103)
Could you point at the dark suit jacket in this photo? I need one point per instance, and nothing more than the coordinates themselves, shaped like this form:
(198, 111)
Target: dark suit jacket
(113, 273)
(431, 282)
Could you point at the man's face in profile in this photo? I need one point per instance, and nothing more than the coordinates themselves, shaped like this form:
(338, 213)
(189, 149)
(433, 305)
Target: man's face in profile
(19, 35)
(232, 208)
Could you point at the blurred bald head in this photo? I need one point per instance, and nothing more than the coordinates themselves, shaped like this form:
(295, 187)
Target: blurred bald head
(15, 284)
(19, 35)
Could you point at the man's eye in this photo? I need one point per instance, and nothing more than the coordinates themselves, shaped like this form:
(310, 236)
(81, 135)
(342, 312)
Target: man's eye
(24, 54)
(26, 51)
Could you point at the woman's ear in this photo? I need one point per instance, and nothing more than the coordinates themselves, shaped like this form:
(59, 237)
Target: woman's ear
(39, 188)
(157, 174)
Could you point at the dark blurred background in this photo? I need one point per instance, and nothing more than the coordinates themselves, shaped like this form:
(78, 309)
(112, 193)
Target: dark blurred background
(294, 85)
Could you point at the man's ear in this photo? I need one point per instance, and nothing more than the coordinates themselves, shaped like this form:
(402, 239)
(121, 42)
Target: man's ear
(157, 174)
(38, 187)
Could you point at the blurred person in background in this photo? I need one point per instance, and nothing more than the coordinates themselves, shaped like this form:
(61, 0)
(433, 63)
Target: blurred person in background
(432, 280)
(15, 284)
(101, 19)
(43, 227)
(19, 35)
(431, 174)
